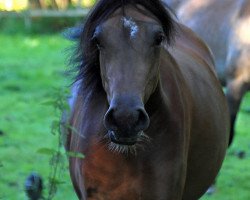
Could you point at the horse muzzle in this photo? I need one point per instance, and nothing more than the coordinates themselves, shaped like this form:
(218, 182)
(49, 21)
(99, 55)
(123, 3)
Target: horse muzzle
(114, 137)
(126, 122)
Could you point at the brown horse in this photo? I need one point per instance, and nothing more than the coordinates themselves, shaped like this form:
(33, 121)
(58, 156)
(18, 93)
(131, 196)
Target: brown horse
(225, 26)
(148, 112)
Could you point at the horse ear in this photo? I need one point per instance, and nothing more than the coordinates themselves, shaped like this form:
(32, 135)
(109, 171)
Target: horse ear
(73, 33)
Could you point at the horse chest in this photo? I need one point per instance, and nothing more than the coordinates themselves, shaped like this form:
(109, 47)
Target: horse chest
(112, 176)
(109, 176)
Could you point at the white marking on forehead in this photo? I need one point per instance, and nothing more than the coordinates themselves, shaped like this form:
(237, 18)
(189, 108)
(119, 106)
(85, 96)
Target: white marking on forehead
(129, 23)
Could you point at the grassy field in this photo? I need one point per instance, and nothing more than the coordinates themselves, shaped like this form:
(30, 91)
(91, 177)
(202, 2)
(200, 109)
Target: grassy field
(31, 67)
(30, 70)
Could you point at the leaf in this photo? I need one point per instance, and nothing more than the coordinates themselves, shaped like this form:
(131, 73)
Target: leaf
(56, 181)
(46, 151)
(55, 125)
(75, 154)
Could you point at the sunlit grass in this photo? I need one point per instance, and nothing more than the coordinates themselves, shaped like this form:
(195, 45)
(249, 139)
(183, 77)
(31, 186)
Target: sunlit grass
(31, 42)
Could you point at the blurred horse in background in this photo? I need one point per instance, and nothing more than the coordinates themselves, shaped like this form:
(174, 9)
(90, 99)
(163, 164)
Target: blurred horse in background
(225, 27)
(147, 109)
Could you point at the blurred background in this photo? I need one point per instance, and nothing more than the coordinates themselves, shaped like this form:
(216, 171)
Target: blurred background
(19, 5)
(33, 64)
(33, 61)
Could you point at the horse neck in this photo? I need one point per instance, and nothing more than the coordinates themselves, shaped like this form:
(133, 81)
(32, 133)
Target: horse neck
(171, 103)
(166, 105)
(157, 102)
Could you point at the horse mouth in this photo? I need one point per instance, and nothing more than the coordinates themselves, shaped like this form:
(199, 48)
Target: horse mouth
(129, 141)
(127, 145)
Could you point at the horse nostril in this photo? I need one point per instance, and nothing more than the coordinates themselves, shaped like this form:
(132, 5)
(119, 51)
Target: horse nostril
(109, 120)
(126, 120)
(143, 120)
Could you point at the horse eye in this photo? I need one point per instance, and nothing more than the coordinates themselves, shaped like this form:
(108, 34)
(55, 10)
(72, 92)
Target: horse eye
(159, 39)
(97, 42)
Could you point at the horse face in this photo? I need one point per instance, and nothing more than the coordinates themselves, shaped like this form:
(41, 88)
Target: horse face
(129, 64)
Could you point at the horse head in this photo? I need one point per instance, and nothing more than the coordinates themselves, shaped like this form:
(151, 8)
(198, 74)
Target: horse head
(129, 45)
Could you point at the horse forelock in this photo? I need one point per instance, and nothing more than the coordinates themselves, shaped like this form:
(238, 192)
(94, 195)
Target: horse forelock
(86, 58)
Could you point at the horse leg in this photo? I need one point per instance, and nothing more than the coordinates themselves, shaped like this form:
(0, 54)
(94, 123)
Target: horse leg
(236, 88)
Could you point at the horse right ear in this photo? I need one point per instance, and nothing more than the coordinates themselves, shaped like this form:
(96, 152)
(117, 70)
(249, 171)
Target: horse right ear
(73, 33)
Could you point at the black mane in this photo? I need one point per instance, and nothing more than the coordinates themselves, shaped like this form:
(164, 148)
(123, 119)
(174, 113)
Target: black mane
(86, 57)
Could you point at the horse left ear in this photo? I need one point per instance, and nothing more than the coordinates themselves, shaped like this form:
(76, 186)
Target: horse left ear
(73, 33)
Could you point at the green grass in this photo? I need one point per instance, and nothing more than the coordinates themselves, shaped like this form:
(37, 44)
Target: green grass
(30, 68)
